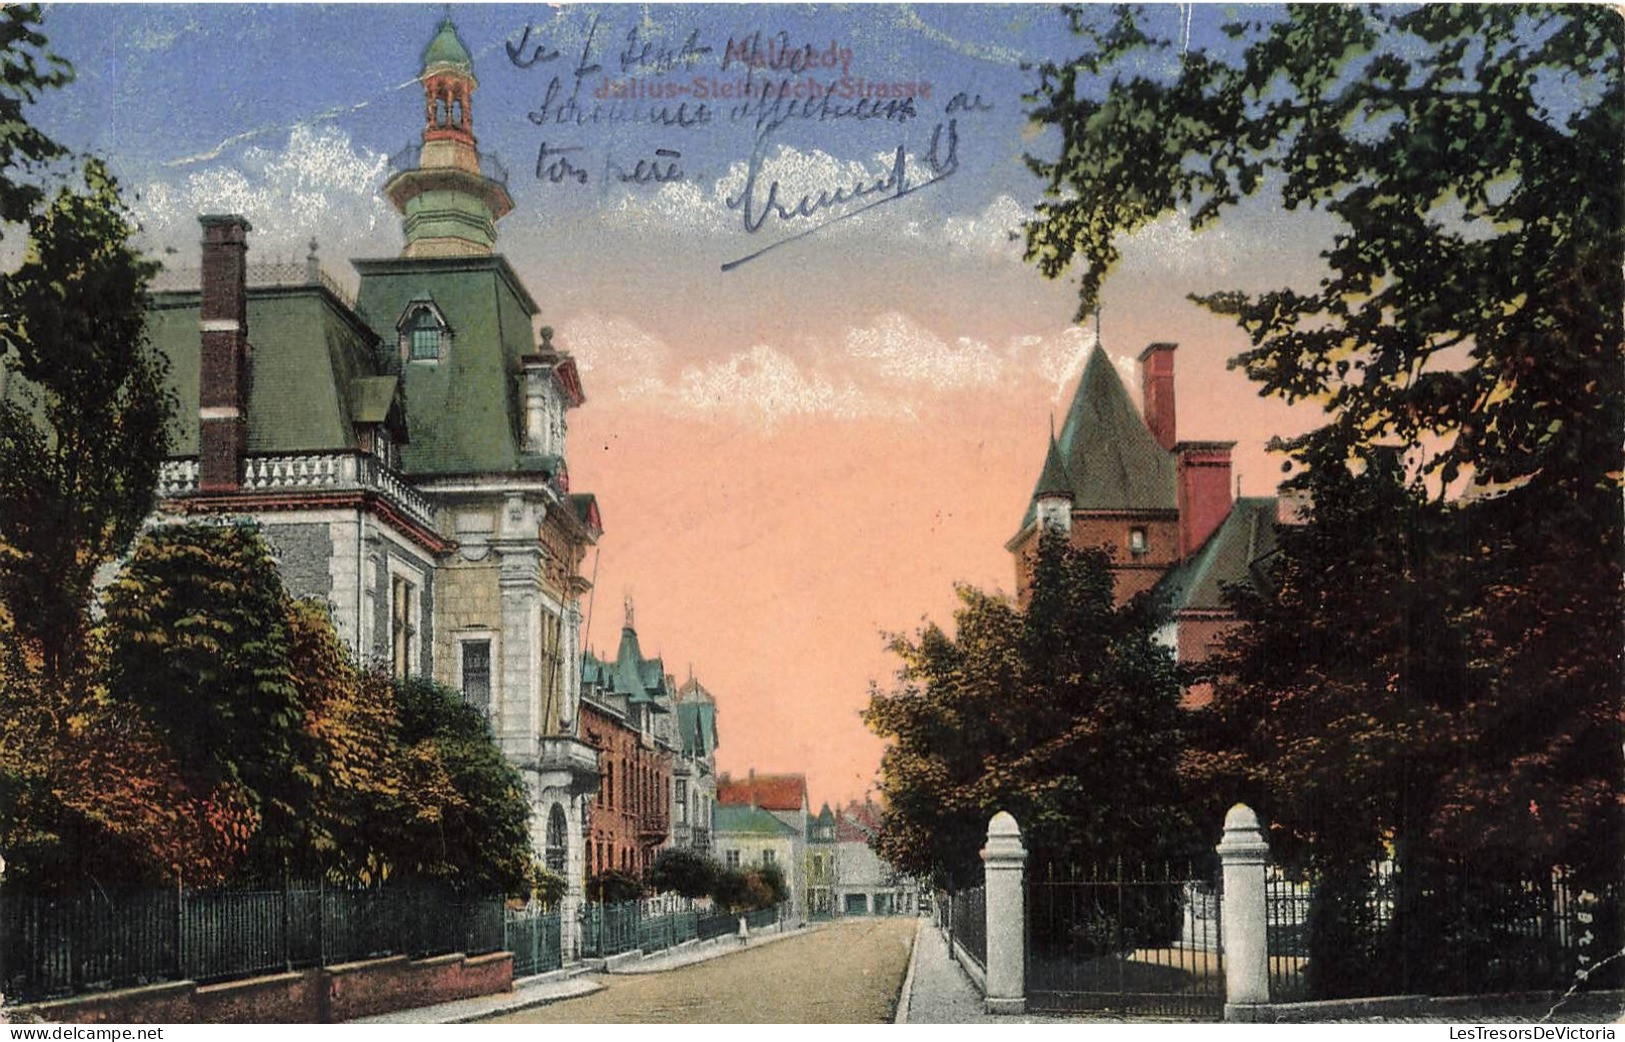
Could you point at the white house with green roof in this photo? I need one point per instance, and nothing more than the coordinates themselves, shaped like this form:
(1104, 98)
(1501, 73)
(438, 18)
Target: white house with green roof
(405, 451)
(746, 836)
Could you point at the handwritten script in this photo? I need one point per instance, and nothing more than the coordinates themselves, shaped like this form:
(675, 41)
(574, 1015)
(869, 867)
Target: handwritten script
(761, 89)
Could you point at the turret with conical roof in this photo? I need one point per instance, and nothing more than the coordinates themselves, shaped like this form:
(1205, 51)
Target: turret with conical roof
(1053, 497)
(441, 187)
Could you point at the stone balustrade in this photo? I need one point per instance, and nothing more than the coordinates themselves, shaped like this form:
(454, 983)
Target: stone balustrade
(314, 472)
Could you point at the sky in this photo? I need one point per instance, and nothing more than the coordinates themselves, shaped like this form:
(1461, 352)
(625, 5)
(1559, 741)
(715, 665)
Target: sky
(803, 428)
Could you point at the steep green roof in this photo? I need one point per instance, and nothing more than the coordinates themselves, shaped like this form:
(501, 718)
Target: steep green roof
(465, 408)
(745, 820)
(1227, 558)
(698, 723)
(1053, 480)
(446, 48)
(314, 369)
(1111, 460)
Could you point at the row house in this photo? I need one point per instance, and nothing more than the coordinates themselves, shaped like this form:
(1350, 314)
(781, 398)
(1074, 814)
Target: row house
(404, 450)
(784, 797)
(865, 883)
(694, 768)
(627, 708)
(821, 858)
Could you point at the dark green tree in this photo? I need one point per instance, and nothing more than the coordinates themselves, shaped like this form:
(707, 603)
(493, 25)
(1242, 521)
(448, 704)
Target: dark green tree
(1468, 154)
(1065, 714)
(462, 809)
(82, 432)
(196, 628)
(684, 872)
(1433, 672)
(614, 887)
(27, 68)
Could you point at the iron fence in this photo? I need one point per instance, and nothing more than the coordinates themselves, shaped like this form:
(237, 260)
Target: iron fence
(716, 924)
(657, 933)
(1439, 930)
(609, 928)
(535, 936)
(968, 917)
(1125, 938)
(764, 917)
(55, 946)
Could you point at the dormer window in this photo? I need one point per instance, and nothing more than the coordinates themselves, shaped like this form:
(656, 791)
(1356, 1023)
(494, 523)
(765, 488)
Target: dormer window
(424, 334)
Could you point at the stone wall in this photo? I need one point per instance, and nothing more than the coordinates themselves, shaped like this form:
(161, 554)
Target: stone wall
(331, 995)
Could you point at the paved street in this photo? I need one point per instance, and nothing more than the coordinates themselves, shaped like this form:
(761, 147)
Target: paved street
(846, 973)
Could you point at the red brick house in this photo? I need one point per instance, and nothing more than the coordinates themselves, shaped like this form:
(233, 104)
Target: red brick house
(624, 704)
(1119, 478)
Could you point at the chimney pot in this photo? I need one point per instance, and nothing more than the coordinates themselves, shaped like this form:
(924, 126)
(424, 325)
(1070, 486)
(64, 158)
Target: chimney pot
(1157, 392)
(223, 355)
(1203, 474)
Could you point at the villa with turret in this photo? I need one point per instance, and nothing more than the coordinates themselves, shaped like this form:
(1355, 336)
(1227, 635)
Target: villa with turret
(404, 451)
(1119, 478)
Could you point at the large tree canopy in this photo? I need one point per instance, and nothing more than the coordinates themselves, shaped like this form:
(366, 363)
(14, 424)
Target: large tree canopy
(82, 433)
(1065, 714)
(1432, 671)
(1470, 310)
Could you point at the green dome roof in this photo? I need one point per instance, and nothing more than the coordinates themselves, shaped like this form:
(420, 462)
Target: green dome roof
(446, 48)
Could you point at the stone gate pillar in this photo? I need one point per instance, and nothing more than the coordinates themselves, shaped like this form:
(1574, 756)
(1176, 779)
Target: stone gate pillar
(1004, 862)
(1244, 853)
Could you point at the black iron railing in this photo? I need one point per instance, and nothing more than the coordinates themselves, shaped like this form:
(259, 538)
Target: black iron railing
(65, 945)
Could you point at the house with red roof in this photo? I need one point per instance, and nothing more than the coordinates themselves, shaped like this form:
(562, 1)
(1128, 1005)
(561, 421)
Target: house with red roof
(1118, 477)
(784, 796)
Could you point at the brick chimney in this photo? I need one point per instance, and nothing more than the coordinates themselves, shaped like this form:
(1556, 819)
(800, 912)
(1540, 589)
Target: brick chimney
(223, 379)
(1203, 470)
(1157, 392)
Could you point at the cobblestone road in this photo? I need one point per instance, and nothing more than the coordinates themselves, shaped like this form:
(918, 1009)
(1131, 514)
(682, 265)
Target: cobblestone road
(846, 973)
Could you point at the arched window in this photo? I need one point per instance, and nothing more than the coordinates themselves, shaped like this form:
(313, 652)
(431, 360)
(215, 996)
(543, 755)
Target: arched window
(439, 112)
(558, 836)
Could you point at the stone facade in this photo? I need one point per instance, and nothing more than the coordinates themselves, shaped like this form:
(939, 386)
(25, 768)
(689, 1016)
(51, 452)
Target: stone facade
(427, 503)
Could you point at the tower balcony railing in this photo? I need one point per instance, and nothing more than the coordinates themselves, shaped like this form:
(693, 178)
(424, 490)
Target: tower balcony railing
(411, 158)
(310, 472)
(259, 274)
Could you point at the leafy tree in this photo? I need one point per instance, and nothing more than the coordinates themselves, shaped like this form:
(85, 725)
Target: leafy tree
(1468, 313)
(463, 808)
(82, 433)
(681, 871)
(750, 888)
(27, 68)
(773, 881)
(1433, 673)
(613, 887)
(349, 775)
(197, 636)
(1065, 714)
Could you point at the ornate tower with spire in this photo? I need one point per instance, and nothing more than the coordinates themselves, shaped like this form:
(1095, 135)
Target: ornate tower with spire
(449, 204)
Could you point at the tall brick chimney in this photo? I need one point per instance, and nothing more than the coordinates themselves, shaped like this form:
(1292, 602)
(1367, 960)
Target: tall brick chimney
(1157, 392)
(1203, 471)
(223, 379)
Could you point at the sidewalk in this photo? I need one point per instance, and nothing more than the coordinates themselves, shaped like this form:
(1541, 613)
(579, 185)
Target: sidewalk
(936, 990)
(574, 981)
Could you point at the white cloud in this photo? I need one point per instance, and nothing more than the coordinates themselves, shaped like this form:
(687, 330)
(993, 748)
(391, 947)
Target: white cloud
(1057, 358)
(995, 231)
(612, 348)
(905, 352)
(1170, 245)
(319, 185)
(761, 385)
